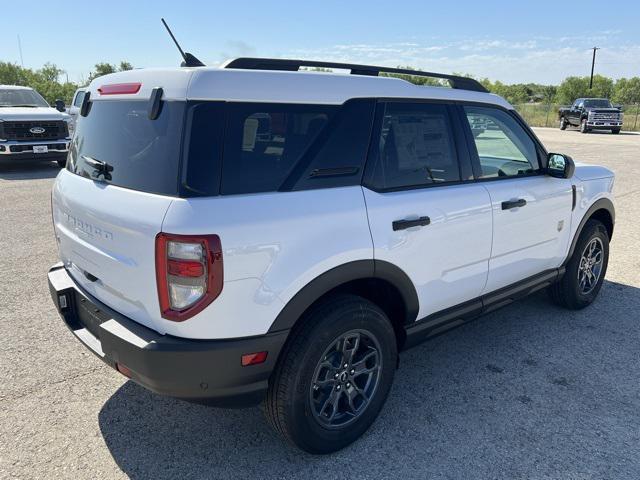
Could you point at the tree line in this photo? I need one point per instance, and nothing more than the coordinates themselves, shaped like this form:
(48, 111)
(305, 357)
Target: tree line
(50, 81)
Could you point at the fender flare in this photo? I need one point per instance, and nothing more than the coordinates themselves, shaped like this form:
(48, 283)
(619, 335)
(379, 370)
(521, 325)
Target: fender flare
(356, 270)
(601, 204)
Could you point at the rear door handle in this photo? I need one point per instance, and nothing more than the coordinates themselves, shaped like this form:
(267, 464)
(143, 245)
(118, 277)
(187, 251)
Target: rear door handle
(404, 224)
(521, 202)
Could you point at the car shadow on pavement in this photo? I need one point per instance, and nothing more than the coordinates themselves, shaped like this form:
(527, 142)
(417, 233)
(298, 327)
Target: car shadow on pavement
(27, 170)
(529, 390)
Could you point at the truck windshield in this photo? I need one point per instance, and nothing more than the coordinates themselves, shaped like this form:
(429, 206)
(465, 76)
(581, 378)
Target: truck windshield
(18, 97)
(597, 103)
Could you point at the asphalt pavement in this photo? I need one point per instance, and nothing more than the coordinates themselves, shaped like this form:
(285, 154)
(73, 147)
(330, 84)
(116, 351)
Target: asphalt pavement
(527, 392)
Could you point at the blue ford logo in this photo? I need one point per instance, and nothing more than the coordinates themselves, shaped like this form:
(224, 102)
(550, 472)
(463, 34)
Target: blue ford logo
(37, 130)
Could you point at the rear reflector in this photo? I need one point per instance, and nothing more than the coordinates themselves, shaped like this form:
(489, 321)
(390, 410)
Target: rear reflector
(254, 358)
(120, 89)
(123, 370)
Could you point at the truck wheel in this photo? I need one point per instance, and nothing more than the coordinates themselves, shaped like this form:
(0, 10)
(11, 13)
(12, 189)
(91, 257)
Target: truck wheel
(585, 270)
(615, 131)
(334, 376)
(563, 123)
(583, 126)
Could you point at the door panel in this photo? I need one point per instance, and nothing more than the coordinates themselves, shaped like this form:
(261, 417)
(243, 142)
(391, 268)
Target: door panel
(531, 238)
(447, 260)
(531, 211)
(421, 218)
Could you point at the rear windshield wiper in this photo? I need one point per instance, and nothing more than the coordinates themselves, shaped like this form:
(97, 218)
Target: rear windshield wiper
(102, 168)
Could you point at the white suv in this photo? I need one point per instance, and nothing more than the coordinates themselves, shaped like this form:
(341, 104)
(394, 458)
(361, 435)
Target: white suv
(254, 233)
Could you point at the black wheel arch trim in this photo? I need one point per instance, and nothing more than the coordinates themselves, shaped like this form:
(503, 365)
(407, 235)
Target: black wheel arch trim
(601, 204)
(340, 275)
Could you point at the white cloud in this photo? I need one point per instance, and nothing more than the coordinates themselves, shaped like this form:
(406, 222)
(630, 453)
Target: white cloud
(540, 59)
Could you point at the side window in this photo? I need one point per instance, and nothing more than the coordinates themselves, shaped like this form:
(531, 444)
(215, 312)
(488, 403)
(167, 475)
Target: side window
(414, 147)
(338, 157)
(504, 147)
(264, 142)
(77, 102)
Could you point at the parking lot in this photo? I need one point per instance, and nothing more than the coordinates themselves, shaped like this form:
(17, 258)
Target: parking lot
(529, 391)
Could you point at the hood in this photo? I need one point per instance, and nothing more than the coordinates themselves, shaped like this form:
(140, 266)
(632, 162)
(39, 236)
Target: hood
(603, 110)
(586, 171)
(31, 113)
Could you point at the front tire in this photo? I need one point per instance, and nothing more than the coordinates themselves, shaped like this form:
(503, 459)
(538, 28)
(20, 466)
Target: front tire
(334, 376)
(62, 162)
(583, 126)
(585, 271)
(615, 131)
(563, 123)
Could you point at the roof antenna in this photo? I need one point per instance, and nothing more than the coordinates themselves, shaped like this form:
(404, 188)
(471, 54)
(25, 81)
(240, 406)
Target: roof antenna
(189, 59)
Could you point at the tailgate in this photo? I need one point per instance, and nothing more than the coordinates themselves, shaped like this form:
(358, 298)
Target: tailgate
(106, 238)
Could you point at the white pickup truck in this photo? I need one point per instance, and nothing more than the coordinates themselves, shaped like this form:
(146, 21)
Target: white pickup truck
(30, 128)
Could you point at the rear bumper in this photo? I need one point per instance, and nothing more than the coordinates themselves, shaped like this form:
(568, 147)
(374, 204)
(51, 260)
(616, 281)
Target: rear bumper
(203, 371)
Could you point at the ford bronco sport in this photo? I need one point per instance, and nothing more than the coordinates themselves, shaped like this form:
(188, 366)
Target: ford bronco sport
(30, 129)
(255, 233)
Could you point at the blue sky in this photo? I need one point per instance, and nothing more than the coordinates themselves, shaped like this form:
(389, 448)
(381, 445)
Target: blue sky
(511, 41)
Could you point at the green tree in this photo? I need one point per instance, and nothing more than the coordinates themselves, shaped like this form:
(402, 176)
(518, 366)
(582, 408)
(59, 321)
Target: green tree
(105, 68)
(627, 91)
(578, 87)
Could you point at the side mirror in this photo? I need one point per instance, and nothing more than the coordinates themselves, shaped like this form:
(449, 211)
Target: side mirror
(560, 166)
(60, 105)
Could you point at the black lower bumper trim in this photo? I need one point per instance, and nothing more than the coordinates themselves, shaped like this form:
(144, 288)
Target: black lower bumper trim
(203, 371)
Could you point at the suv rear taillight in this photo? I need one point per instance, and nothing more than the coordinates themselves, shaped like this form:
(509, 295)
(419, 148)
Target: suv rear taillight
(189, 273)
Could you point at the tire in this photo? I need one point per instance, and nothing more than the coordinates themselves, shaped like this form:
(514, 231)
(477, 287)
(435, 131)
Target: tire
(583, 126)
(62, 162)
(563, 123)
(570, 292)
(304, 388)
(615, 131)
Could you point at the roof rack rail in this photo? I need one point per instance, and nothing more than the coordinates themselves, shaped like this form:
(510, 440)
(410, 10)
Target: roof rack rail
(282, 64)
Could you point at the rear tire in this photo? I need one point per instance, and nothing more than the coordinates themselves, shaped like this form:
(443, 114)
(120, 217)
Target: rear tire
(585, 270)
(314, 401)
(583, 126)
(615, 131)
(563, 123)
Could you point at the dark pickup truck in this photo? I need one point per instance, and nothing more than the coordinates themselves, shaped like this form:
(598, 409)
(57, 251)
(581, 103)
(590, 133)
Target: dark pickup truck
(591, 113)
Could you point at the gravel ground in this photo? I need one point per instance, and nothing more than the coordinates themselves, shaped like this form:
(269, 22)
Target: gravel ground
(530, 391)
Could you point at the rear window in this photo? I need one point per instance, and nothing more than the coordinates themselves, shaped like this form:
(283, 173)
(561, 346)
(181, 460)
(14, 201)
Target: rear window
(142, 154)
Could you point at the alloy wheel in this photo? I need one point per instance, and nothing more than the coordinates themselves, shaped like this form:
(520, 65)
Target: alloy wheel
(590, 267)
(345, 379)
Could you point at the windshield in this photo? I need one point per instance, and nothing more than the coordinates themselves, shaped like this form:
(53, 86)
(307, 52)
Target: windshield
(597, 103)
(11, 97)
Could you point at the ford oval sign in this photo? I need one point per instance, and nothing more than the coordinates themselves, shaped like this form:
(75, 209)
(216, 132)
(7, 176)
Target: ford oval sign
(37, 130)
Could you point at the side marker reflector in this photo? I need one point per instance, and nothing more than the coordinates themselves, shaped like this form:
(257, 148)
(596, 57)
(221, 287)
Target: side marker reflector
(254, 358)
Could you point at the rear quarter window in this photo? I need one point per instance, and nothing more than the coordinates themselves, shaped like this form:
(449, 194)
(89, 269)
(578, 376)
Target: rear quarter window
(264, 142)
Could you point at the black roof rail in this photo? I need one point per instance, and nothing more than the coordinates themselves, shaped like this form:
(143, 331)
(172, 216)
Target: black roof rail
(282, 64)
